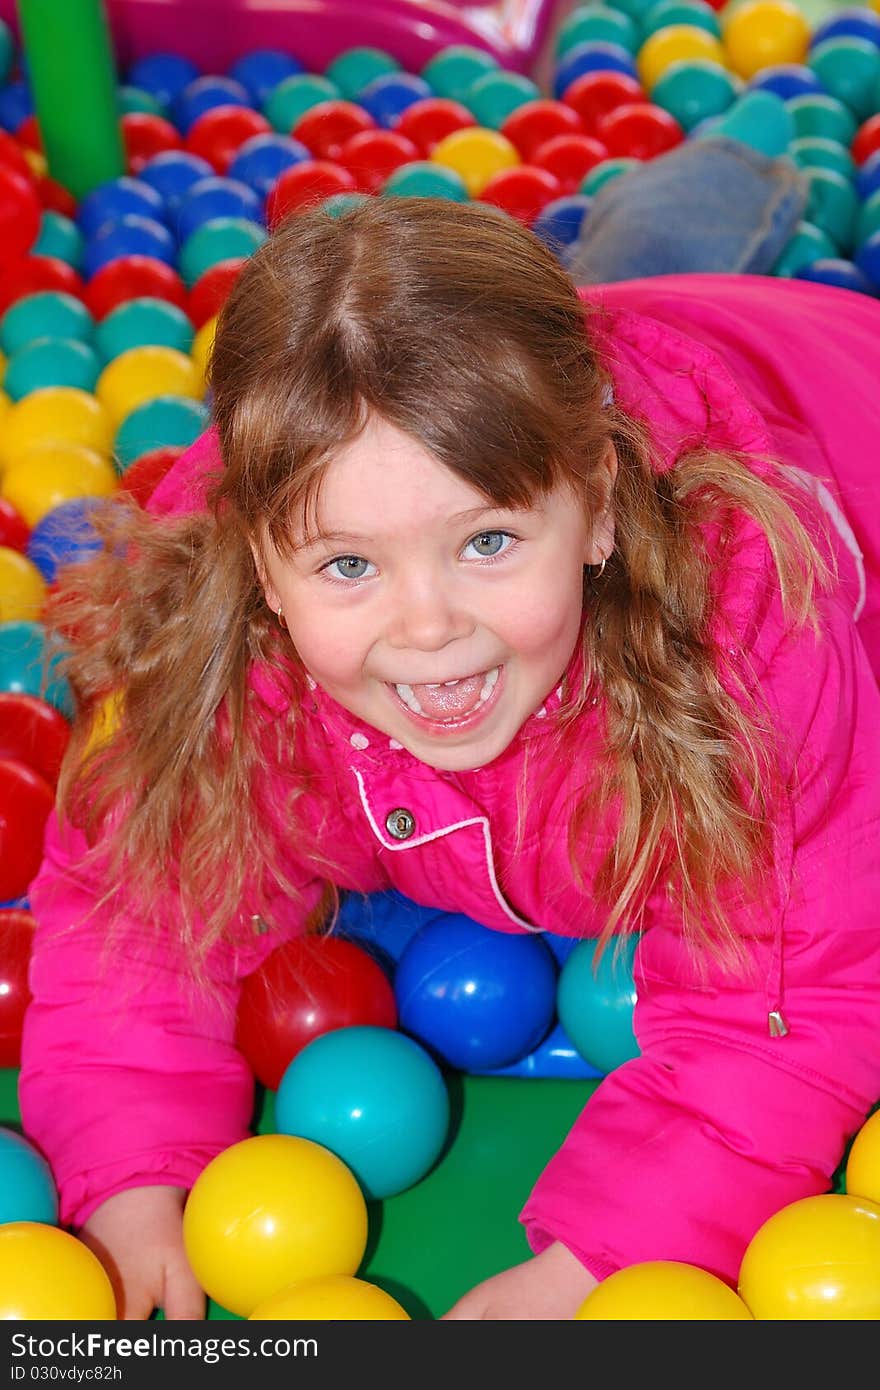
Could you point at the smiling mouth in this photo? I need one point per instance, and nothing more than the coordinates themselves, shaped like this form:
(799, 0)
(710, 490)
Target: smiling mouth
(449, 702)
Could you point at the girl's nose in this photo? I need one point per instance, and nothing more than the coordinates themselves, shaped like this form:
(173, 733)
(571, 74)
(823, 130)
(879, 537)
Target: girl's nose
(425, 617)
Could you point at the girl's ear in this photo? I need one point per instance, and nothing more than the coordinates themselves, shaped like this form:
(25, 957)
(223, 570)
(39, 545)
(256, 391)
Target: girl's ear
(269, 592)
(600, 542)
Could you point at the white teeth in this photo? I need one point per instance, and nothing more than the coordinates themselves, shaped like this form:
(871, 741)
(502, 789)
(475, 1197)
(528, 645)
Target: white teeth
(407, 694)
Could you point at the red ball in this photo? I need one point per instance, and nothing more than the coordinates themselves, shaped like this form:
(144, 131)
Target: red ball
(130, 277)
(866, 139)
(30, 274)
(307, 987)
(145, 135)
(25, 802)
(639, 130)
(372, 156)
(522, 191)
(14, 530)
(430, 120)
(569, 158)
(55, 196)
(33, 732)
(17, 928)
(12, 155)
(326, 127)
(218, 134)
(594, 94)
(211, 291)
(535, 122)
(142, 477)
(20, 214)
(28, 134)
(304, 185)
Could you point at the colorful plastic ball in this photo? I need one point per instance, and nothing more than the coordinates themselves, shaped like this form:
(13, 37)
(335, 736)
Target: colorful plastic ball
(818, 114)
(338, 204)
(48, 314)
(373, 1097)
(60, 237)
(372, 157)
(834, 270)
(868, 259)
(47, 1274)
(129, 236)
(786, 80)
(596, 93)
(808, 243)
(336, 1298)
(867, 180)
(476, 155)
(261, 70)
(32, 732)
(531, 125)
(14, 530)
(559, 223)
(142, 477)
(640, 130)
(353, 68)
(22, 588)
(211, 290)
(496, 95)
(832, 205)
(862, 1172)
(17, 927)
(596, 21)
(64, 536)
(605, 172)
(204, 94)
(142, 373)
(219, 134)
(32, 273)
(521, 192)
(595, 1003)
(22, 667)
(325, 128)
(142, 322)
(46, 475)
(816, 152)
(166, 421)
(268, 1212)
(119, 198)
(849, 69)
(477, 998)
(26, 799)
(868, 218)
(16, 104)
(695, 90)
(424, 179)
(54, 198)
(452, 71)
(667, 12)
(429, 121)
(131, 277)
(144, 135)
(173, 173)
(569, 158)
(215, 197)
(60, 414)
(7, 51)
(162, 74)
(27, 1189)
(760, 33)
(854, 21)
(295, 95)
(306, 185)
(662, 1291)
(388, 96)
(221, 239)
(676, 44)
(20, 213)
(867, 139)
(593, 56)
(260, 161)
(818, 1258)
(130, 99)
(12, 155)
(307, 987)
(49, 362)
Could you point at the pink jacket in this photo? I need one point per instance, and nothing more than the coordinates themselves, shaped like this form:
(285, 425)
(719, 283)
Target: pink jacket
(684, 1151)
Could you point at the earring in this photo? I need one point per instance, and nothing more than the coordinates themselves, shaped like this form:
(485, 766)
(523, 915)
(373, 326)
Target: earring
(280, 616)
(601, 570)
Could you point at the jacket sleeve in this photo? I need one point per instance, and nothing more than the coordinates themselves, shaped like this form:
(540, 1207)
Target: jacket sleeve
(130, 1075)
(685, 1151)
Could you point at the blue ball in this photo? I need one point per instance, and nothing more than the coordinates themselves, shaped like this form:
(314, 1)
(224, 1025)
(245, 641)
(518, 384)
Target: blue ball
(261, 161)
(64, 536)
(27, 1189)
(262, 69)
(477, 998)
(173, 173)
(556, 1056)
(388, 96)
(121, 197)
(163, 75)
(867, 179)
(203, 95)
(374, 1098)
(559, 223)
(130, 236)
(595, 55)
(834, 270)
(215, 197)
(595, 1003)
(854, 22)
(868, 260)
(16, 104)
(383, 923)
(787, 80)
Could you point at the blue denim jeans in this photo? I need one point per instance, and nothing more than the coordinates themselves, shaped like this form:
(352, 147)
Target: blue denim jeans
(713, 205)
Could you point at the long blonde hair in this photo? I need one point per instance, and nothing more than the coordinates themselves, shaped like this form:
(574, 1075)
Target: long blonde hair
(455, 325)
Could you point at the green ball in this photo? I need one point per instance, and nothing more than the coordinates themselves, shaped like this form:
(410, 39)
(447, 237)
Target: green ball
(294, 96)
(454, 70)
(354, 68)
(220, 239)
(636, 9)
(809, 243)
(694, 90)
(7, 51)
(815, 152)
(424, 179)
(339, 203)
(595, 1003)
(758, 119)
(493, 97)
(143, 322)
(46, 314)
(599, 23)
(832, 205)
(868, 218)
(849, 69)
(51, 362)
(693, 12)
(59, 236)
(603, 173)
(163, 422)
(130, 99)
(826, 117)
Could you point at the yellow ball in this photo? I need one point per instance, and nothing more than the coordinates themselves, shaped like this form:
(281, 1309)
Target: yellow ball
(816, 1259)
(662, 1291)
(36, 162)
(863, 1163)
(334, 1298)
(761, 33)
(47, 1274)
(476, 154)
(42, 478)
(203, 343)
(141, 374)
(676, 43)
(271, 1211)
(22, 587)
(56, 414)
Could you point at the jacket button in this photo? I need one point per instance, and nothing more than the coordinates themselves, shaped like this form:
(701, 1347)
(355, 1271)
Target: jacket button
(400, 823)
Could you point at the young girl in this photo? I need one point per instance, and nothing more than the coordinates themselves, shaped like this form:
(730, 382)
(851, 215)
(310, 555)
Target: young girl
(524, 604)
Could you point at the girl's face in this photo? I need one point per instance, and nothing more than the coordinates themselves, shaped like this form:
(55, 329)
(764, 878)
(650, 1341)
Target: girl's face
(416, 582)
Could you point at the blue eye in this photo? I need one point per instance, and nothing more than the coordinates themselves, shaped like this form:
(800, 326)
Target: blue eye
(348, 566)
(493, 541)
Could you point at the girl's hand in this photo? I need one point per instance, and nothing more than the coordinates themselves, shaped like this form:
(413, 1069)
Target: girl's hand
(550, 1286)
(138, 1237)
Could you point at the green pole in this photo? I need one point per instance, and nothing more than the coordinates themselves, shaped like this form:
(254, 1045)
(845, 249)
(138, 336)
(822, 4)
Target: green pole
(73, 79)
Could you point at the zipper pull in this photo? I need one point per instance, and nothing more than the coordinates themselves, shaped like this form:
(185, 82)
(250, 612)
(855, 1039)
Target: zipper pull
(777, 1025)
